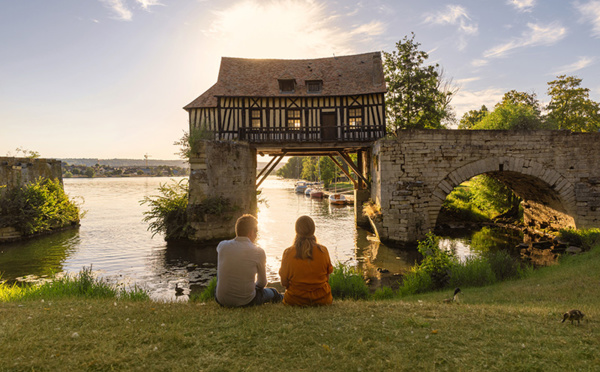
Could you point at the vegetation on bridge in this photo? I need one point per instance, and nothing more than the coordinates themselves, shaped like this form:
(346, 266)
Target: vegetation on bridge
(38, 207)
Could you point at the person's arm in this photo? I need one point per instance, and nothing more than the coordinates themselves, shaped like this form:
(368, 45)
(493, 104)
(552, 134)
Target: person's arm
(261, 280)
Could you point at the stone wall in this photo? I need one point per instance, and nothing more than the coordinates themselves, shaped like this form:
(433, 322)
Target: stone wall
(221, 171)
(557, 173)
(16, 172)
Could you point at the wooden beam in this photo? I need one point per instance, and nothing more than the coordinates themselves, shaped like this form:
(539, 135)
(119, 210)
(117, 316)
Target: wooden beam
(353, 166)
(343, 170)
(265, 168)
(270, 170)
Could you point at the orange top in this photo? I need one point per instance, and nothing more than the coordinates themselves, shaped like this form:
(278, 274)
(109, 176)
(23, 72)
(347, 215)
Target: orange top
(306, 281)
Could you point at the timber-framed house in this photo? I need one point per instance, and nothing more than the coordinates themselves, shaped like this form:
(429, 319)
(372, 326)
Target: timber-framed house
(337, 99)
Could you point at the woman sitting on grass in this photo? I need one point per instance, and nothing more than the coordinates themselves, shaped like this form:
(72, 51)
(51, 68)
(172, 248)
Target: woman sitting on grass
(305, 268)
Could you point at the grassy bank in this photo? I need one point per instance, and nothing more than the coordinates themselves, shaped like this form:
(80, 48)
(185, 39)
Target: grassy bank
(513, 325)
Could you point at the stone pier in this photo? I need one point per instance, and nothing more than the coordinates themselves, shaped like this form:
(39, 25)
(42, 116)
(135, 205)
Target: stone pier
(222, 187)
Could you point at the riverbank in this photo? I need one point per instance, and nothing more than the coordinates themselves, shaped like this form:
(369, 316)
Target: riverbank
(513, 325)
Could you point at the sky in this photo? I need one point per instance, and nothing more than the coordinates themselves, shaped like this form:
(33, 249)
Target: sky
(109, 78)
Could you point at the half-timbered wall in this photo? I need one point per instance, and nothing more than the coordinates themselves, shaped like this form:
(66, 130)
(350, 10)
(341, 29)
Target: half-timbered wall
(233, 113)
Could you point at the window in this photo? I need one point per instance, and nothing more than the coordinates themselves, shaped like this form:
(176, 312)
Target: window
(355, 117)
(255, 118)
(287, 85)
(314, 86)
(293, 118)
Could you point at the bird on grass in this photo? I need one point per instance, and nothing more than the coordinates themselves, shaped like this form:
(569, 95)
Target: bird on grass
(178, 291)
(453, 298)
(573, 315)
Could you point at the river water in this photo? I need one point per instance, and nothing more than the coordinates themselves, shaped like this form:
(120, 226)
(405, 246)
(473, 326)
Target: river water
(115, 241)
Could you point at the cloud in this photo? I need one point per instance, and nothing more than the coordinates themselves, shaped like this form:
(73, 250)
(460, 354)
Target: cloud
(536, 35)
(522, 5)
(288, 29)
(583, 62)
(466, 100)
(122, 11)
(591, 13)
(479, 62)
(146, 4)
(467, 80)
(118, 7)
(455, 15)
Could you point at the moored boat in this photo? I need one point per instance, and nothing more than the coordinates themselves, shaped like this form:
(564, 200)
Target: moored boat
(337, 199)
(316, 193)
(300, 187)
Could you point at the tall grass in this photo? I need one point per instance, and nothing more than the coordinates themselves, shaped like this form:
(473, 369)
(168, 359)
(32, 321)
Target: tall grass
(586, 238)
(207, 294)
(347, 283)
(440, 269)
(83, 285)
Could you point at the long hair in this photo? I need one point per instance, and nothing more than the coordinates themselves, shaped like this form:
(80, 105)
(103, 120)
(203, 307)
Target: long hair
(305, 238)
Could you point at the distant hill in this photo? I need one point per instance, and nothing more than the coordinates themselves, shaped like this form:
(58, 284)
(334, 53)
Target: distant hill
(126, 162)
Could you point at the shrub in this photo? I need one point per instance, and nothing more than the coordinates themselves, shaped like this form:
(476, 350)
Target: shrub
(38, 207)
(506, 266)
(346, 282)
(168, 210)
(436, 262)
(586, 238)
(383, 293)
(416, 281)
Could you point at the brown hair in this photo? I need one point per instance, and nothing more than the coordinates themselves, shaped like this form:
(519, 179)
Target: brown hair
(245, 225)
(305, 238)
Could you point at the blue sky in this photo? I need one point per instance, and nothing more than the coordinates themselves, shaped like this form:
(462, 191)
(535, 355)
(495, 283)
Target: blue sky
(109, 78)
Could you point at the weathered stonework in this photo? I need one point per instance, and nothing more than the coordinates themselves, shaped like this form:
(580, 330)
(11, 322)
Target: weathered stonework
(557, 173)
(15, 172)
(226, 170)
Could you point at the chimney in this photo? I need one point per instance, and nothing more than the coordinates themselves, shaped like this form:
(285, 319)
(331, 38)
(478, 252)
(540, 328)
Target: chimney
(377, 69)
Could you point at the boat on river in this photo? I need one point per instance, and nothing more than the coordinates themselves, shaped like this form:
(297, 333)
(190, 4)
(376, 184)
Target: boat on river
(337, 199)
(317, 193)
(300, 187)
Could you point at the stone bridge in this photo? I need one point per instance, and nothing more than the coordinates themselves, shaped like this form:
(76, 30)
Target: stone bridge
(556, 173)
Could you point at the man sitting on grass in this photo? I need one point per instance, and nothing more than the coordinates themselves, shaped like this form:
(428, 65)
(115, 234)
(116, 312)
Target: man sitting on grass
(241, 271)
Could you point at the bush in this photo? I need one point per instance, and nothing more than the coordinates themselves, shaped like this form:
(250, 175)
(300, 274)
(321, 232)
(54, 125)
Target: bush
(346, 282)
(168, 210)
(436, 262)
(383, 293)
(585, 239)
(416, 281)
(38, 207)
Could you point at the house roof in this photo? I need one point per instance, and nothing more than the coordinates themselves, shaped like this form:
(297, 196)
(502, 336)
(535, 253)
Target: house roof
(345, 75)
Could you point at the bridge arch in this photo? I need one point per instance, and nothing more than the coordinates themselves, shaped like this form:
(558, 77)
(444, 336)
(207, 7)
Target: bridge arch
(549, 198)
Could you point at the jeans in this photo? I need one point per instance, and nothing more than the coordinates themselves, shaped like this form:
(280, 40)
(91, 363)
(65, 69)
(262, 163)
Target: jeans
(263, 295)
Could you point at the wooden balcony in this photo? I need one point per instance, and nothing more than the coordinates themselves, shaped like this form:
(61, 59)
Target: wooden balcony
(366, 133)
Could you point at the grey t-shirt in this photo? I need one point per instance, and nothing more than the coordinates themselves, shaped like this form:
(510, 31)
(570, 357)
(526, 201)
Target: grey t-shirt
(241, 267)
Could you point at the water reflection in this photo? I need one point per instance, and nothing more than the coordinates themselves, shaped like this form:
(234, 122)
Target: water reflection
(114, 239)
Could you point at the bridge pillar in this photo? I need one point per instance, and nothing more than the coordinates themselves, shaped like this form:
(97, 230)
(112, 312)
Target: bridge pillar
(222, 188)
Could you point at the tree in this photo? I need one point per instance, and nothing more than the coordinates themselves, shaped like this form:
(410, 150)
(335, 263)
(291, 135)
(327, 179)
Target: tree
(90, 172)
(418, 96)
(570, 106)
(521, 98)
(291, 169)
(511, 116)
(328, 170)
(471, 118)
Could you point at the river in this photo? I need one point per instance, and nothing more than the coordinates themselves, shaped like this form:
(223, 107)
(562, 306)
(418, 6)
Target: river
(115, 241)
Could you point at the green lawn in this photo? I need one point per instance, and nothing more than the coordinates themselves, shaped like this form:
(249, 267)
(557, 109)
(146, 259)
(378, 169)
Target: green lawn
(511, 326)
